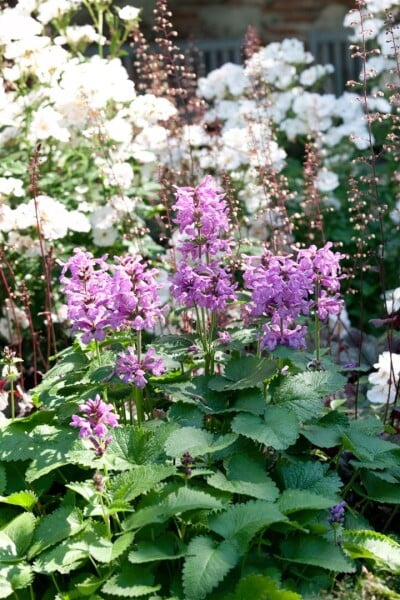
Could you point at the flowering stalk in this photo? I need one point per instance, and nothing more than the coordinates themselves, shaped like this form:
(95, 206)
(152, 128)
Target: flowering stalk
(133, 367)
(202, 282)
(10, 373)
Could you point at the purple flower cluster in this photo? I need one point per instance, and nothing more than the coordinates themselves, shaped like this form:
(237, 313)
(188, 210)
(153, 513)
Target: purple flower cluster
(132, 370)
(203, 219)
(101, 297)
(207, 286)
(337, 513)
(99, 416)
(283, 288)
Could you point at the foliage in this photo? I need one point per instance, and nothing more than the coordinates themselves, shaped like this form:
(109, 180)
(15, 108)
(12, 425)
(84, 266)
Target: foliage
(197, 425)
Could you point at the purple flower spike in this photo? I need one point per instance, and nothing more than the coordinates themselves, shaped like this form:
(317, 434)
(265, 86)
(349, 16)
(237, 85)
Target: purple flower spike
(131, 370)
(94, 425)
(337, 513)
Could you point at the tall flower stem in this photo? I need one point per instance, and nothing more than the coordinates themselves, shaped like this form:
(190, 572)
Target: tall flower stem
(317, 326)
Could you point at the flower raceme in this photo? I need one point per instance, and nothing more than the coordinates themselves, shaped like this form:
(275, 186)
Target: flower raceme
(131, 369)
(103, 297)
(284, 288)
(203, 218)
(94, 425)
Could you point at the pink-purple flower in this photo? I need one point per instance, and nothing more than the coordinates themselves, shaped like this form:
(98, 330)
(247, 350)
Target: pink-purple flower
(202, 214)
(103, 297)
(131, 369)
(94, 425)
(284, 288)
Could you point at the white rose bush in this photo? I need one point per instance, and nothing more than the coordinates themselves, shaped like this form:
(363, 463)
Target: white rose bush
(199, 312)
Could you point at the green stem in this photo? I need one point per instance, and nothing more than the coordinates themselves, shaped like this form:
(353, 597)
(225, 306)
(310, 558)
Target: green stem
(139, 405)
(317, 334)
(12, 399)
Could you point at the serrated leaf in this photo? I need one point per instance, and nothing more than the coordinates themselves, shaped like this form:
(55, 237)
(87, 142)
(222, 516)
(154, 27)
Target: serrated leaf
(8, 549)
(379, 490)
(3, 479)
(16, 443)
(197, 442)
(374, 546)
(5, 585)
(140, 446)
(186, 415)
(26, 499)
(291, 501)
(183, 500)
(121, 544)
(278, 428)
(16, 577)
(142, 478)
(55, 443)
(261, 587)
(243, 521)
(317, 551)
(64, 558)
(206, 565)
(265, 490)
(194, 391)
(310, 475)
(131, 583)
(250, 400)
(55, 527)
(369, 447)
(20, 531)
(162, 549)
(303, 393)
(245, 372)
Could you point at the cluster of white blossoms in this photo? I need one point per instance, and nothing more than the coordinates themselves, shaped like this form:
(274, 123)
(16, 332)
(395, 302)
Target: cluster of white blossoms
(369, 25)
(385, 380)
(72, 101)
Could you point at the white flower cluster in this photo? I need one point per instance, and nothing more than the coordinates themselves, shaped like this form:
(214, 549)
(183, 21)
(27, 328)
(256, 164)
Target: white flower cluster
(369, 25)
(385, 380)
(72, 101)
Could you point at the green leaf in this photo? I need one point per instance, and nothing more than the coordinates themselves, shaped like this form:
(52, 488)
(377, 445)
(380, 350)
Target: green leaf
(374, 546)
(317, 551)
(140, 446)
(5, 585)
(245, 372)
(206, 565)
(3, 479)
(55, 443)
(196, 441)
(243, 521)
(367, 446)
(64, 558)
(303, 393)
(194, 391)
(121, 544)
(139, 480)
(55, 527)
(26, 499)
(261, 587)
(310, 475)
(14, 577)
(131, 583)
(163, 549)
(20, 531)
(250, 400)
(379, 490)
(16, 443)
(183, 500)
(265, 490)
(291, 501)
(278, 429)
